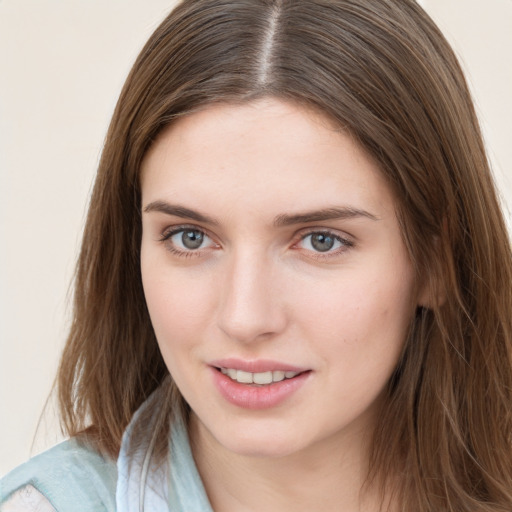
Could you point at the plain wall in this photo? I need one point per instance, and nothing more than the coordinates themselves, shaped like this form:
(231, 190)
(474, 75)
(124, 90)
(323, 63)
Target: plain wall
(62, 65)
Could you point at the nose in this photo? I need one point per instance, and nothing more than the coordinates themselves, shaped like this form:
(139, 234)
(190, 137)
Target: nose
(252, 303)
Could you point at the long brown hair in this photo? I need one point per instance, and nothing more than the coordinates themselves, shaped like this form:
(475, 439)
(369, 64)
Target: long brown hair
(383, 71)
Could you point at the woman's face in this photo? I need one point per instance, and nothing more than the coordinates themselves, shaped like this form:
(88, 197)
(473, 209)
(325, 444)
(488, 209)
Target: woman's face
(276, 278)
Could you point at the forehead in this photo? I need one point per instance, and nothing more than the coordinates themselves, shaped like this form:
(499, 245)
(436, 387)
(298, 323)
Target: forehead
(274, 152)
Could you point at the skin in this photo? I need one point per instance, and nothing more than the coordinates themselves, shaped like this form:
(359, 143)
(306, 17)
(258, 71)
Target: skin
(259, 289)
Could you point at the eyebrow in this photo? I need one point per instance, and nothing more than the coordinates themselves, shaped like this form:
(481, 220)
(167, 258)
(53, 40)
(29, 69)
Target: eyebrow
(179, 211)
(279, 221)
(320, 215)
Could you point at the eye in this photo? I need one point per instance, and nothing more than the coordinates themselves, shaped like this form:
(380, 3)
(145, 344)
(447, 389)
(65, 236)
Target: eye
(186, 240)
(323, 242)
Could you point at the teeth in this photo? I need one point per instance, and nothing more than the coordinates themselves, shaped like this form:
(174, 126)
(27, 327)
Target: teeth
(257, 378)
(262, 378)
(278, 376)
(244, 377)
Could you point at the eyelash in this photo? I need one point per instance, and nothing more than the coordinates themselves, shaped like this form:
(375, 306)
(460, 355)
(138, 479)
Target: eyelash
(345, 243)
(168, 234)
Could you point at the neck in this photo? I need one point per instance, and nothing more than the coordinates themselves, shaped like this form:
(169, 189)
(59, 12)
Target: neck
(328, 476)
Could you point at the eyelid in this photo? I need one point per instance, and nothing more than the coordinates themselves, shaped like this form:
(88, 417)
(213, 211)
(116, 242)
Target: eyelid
(170, 231)
(343, 235)
(347, 241)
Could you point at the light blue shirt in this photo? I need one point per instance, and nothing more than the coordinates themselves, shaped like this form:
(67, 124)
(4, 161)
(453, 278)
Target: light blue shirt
(70, 475)
(75, 478)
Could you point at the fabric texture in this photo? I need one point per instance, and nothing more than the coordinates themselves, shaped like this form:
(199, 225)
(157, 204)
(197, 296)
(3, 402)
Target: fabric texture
(70, 475)
(175, 486)
(74, 477)
(27, 499)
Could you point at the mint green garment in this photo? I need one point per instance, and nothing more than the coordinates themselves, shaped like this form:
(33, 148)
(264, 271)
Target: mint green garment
(75, 478)
(70, 475)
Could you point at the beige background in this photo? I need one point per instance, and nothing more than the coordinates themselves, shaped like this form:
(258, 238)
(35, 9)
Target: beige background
(62, 64)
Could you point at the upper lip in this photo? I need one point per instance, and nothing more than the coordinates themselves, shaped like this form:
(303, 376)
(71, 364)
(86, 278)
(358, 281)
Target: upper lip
(256, 366)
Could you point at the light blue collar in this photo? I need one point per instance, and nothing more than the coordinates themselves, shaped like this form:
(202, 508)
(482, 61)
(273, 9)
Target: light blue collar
(173, 486)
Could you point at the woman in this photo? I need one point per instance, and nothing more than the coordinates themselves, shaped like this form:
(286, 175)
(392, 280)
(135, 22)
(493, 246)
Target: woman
(295, 270)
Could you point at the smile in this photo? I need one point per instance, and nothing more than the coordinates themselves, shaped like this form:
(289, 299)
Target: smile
(258, 390)
(260, 378)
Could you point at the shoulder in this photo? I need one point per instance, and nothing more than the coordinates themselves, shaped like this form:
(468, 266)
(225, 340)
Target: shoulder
(71, 476)
(27, 499)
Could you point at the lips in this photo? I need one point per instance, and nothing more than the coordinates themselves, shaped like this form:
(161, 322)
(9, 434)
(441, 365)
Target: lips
(256, 366)
(258, 384)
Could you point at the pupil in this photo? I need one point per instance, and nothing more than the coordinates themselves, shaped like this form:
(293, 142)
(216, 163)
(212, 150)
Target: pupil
(192, 239)
(322, 242)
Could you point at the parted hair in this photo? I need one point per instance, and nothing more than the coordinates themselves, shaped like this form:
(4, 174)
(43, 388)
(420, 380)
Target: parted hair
(383, 71)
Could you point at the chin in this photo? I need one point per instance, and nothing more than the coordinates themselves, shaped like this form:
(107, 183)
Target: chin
(260, 448)
(260, 440)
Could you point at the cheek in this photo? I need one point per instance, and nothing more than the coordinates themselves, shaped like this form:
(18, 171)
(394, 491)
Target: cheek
(179, 308)
(178, 316)
(359, 323)
(358, 301)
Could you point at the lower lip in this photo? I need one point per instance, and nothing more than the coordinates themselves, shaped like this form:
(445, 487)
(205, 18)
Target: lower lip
(255, 397)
